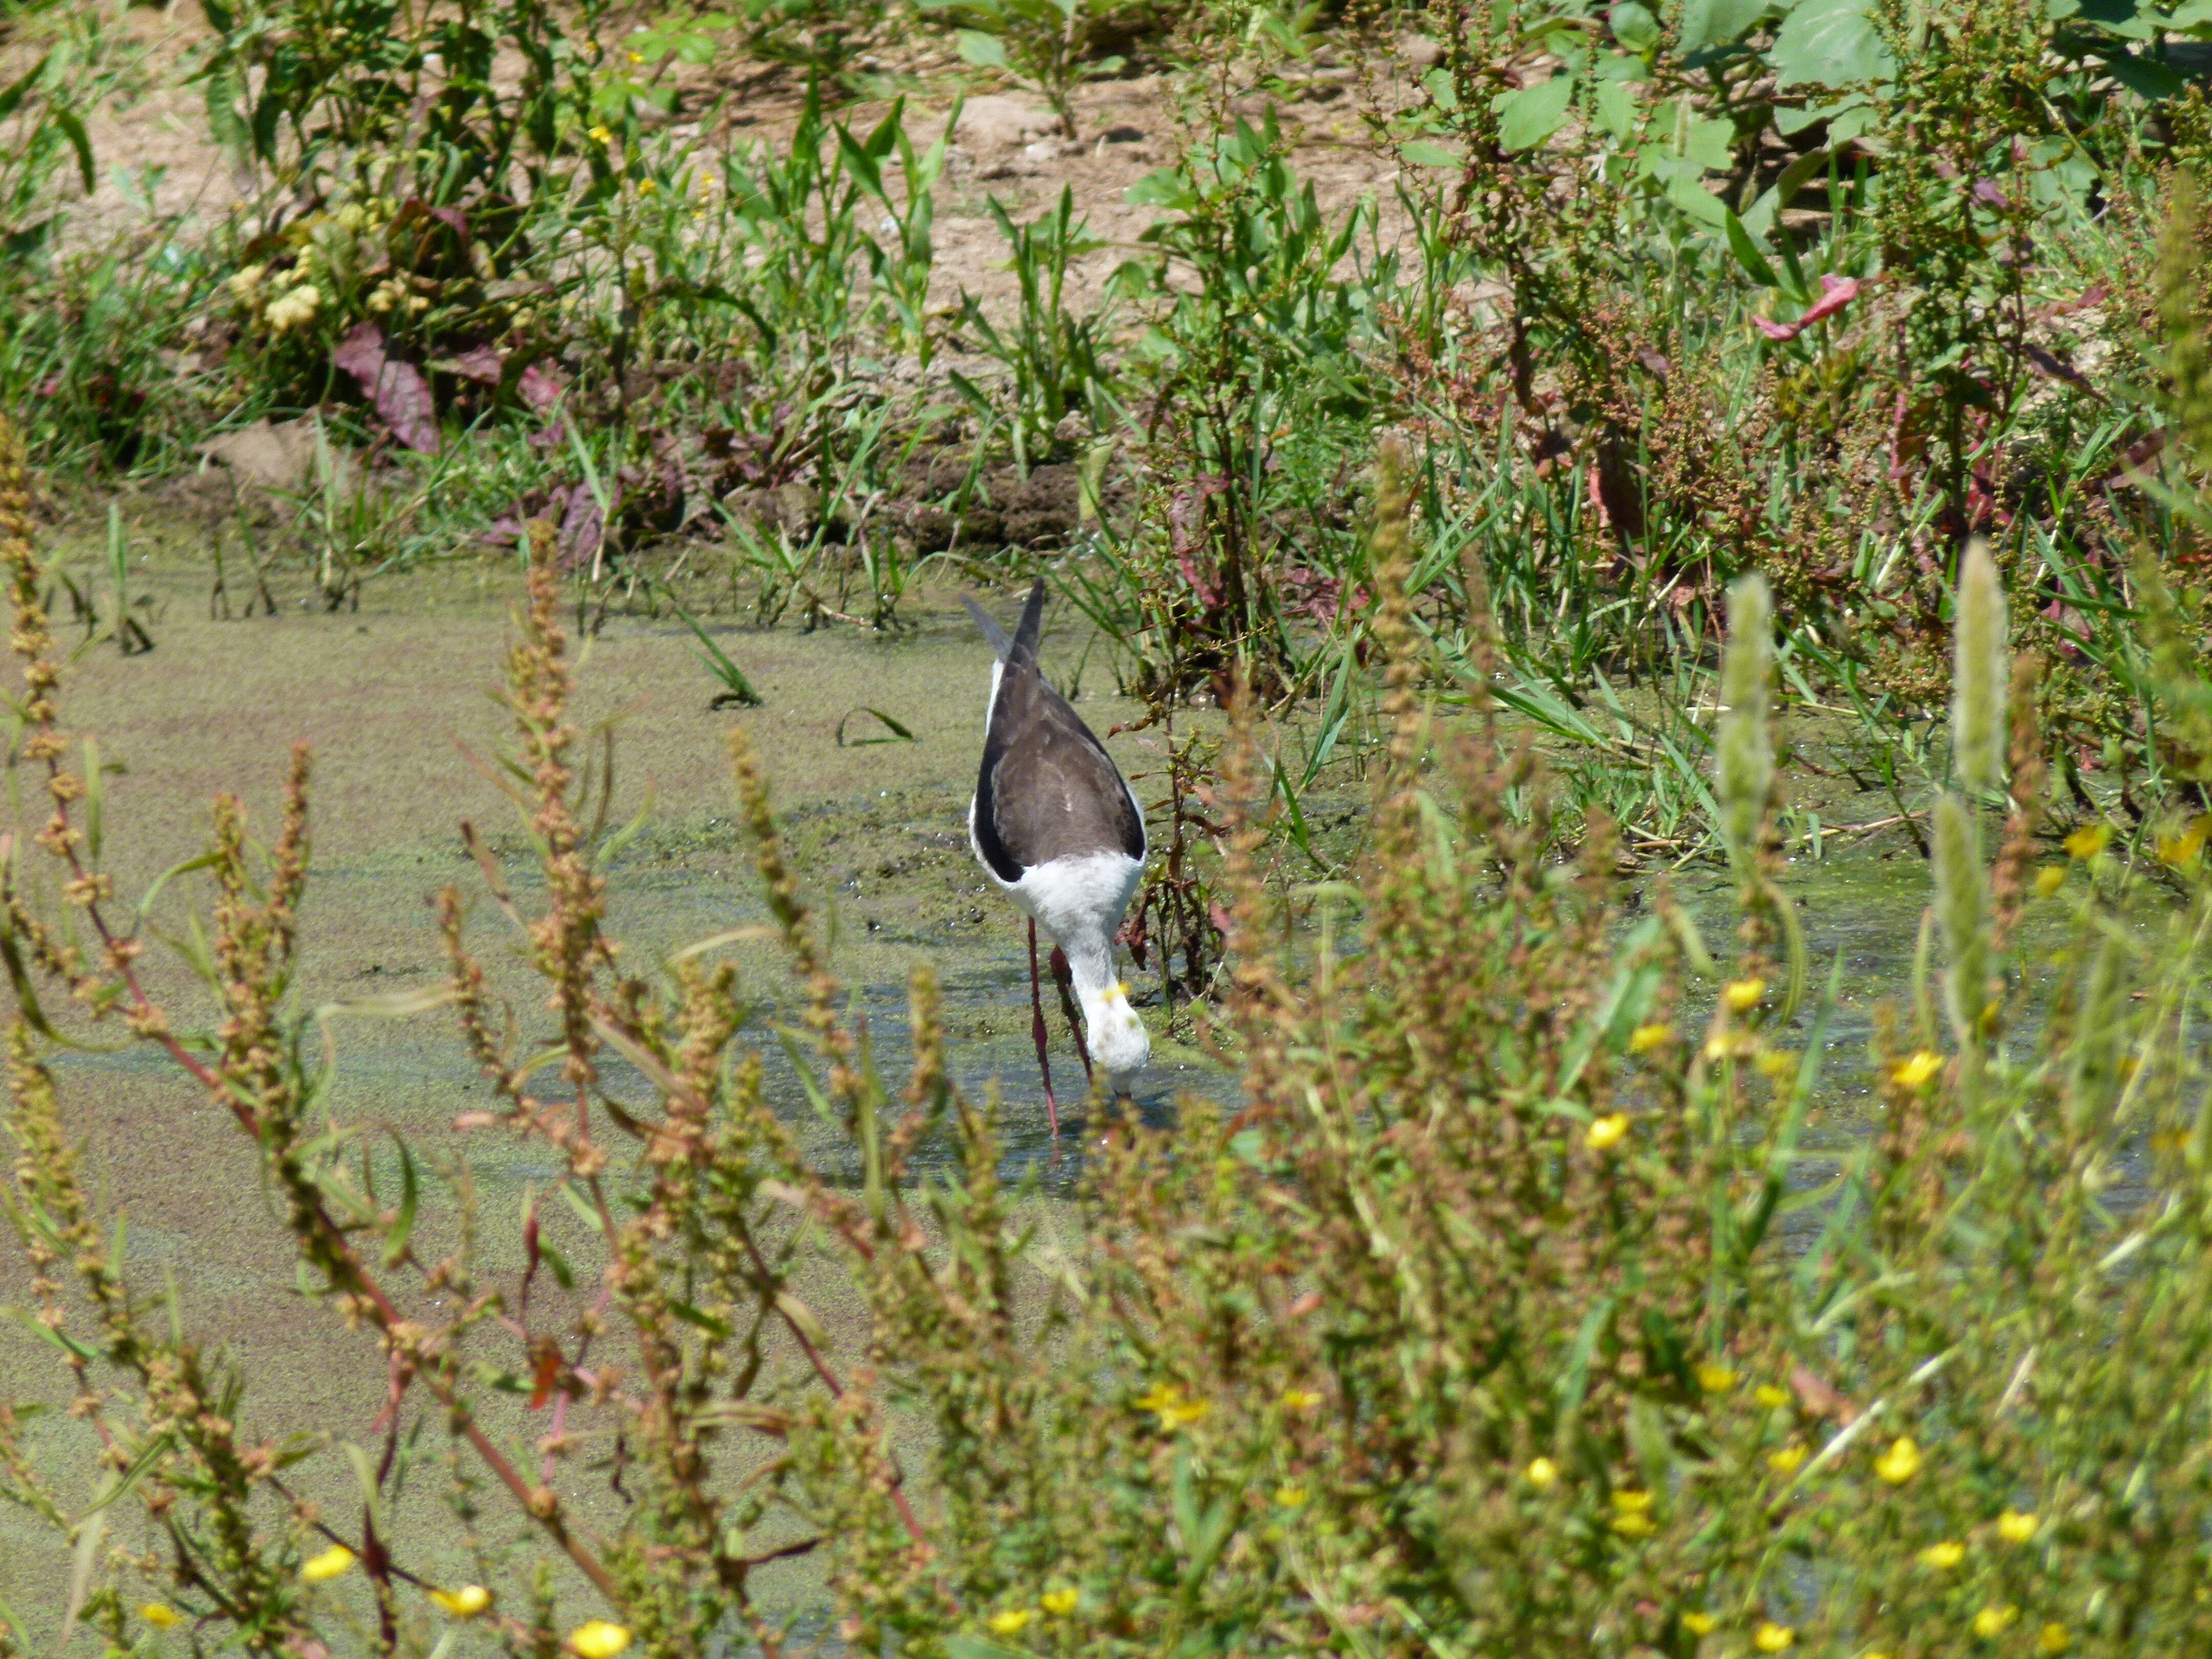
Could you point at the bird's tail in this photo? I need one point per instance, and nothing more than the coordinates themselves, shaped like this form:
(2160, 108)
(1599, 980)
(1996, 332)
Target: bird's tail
(1025, 638)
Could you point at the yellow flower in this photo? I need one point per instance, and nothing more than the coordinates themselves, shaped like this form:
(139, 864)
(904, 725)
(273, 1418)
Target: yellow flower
(246, 282)
(1168, 1402)
(1770, 1396)
(1911, 1074)
(1741, 996)
(646, 187)
(1543, 1471)
(328, 1565)
(2183, 848)
(1300, 1400)
(1714, 1378)
(635, 57)
(1291, 1495)
(2014, 1527)
(1788, 1459)
(1994, 1621)
(1698, 1624)
(2053, 1638)
(2049, 879)
(1641, 1041)
(1012, 1622)
(1771, 1637)
(1900, 1463)
(465, 1602)
(1944, 1556)
(595, 1638)
(1630, 1518)
(291, 310)
(1605, 1134)
(1060, 1602)
(160, 1614)
(2088, 840)
(1776, 1062)
(599, 135)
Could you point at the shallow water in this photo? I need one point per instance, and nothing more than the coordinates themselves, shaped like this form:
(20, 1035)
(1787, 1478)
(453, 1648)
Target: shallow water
(393, 702)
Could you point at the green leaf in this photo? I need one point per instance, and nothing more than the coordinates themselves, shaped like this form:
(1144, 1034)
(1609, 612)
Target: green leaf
(2148, 81)
(1616, 109)
(1694, 199)
(1634, 25)
(1747, 252)
(1421, 154)
(403, 1225)
(1716, 23)
(987, 51)
(12, 99)
(900, 732)
(1527, 118)
(1165, 188)
(1830, 43)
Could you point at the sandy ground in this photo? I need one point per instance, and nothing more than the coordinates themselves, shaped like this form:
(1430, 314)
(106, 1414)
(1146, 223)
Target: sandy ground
(158, 161)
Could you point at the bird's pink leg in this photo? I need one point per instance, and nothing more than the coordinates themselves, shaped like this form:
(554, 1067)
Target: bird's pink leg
(1037, 1031)
(1064, 978)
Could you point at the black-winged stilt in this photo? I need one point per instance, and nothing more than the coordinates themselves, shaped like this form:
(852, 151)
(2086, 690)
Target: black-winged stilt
(1058, 830)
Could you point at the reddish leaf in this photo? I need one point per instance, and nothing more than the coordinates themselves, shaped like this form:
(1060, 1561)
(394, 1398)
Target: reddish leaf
(482, 364)
(395, 388)
(539, 389)
(1841, 291)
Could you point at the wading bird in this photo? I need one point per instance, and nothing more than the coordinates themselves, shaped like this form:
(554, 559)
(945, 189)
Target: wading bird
(1060, 833)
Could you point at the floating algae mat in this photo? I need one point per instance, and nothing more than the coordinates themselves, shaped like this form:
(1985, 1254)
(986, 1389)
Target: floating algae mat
(394, 702)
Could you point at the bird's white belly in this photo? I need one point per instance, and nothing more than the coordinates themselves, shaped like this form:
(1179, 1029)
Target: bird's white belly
(1077, 899)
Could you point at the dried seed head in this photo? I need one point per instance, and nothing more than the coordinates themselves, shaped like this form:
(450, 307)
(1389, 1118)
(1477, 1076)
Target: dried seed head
(1747, 751)
(1980, 668)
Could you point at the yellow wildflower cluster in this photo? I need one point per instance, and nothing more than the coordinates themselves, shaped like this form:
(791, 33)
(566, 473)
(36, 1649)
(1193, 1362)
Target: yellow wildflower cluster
(1607, 1133)
(465, 1602)
(1168, 1402)
(331, 253)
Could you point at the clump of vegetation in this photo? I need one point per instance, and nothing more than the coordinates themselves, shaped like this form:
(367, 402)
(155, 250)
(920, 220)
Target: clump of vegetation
(1730, 358)
(1473, 1327)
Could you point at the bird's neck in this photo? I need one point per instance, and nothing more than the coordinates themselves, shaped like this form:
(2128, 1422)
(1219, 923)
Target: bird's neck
(1091, 965)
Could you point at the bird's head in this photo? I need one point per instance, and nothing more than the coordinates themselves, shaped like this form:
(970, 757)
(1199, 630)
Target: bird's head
(1117, 1036)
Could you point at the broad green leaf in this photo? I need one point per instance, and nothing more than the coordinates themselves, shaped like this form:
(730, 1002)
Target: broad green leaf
(1830, 43)
(1165, 188)
(985, 49)
(1634, 25)
(1423, 155)
(1527, 118)
(1717, 22)
(1616, 108)
(1694, 199)
(2148, 81)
